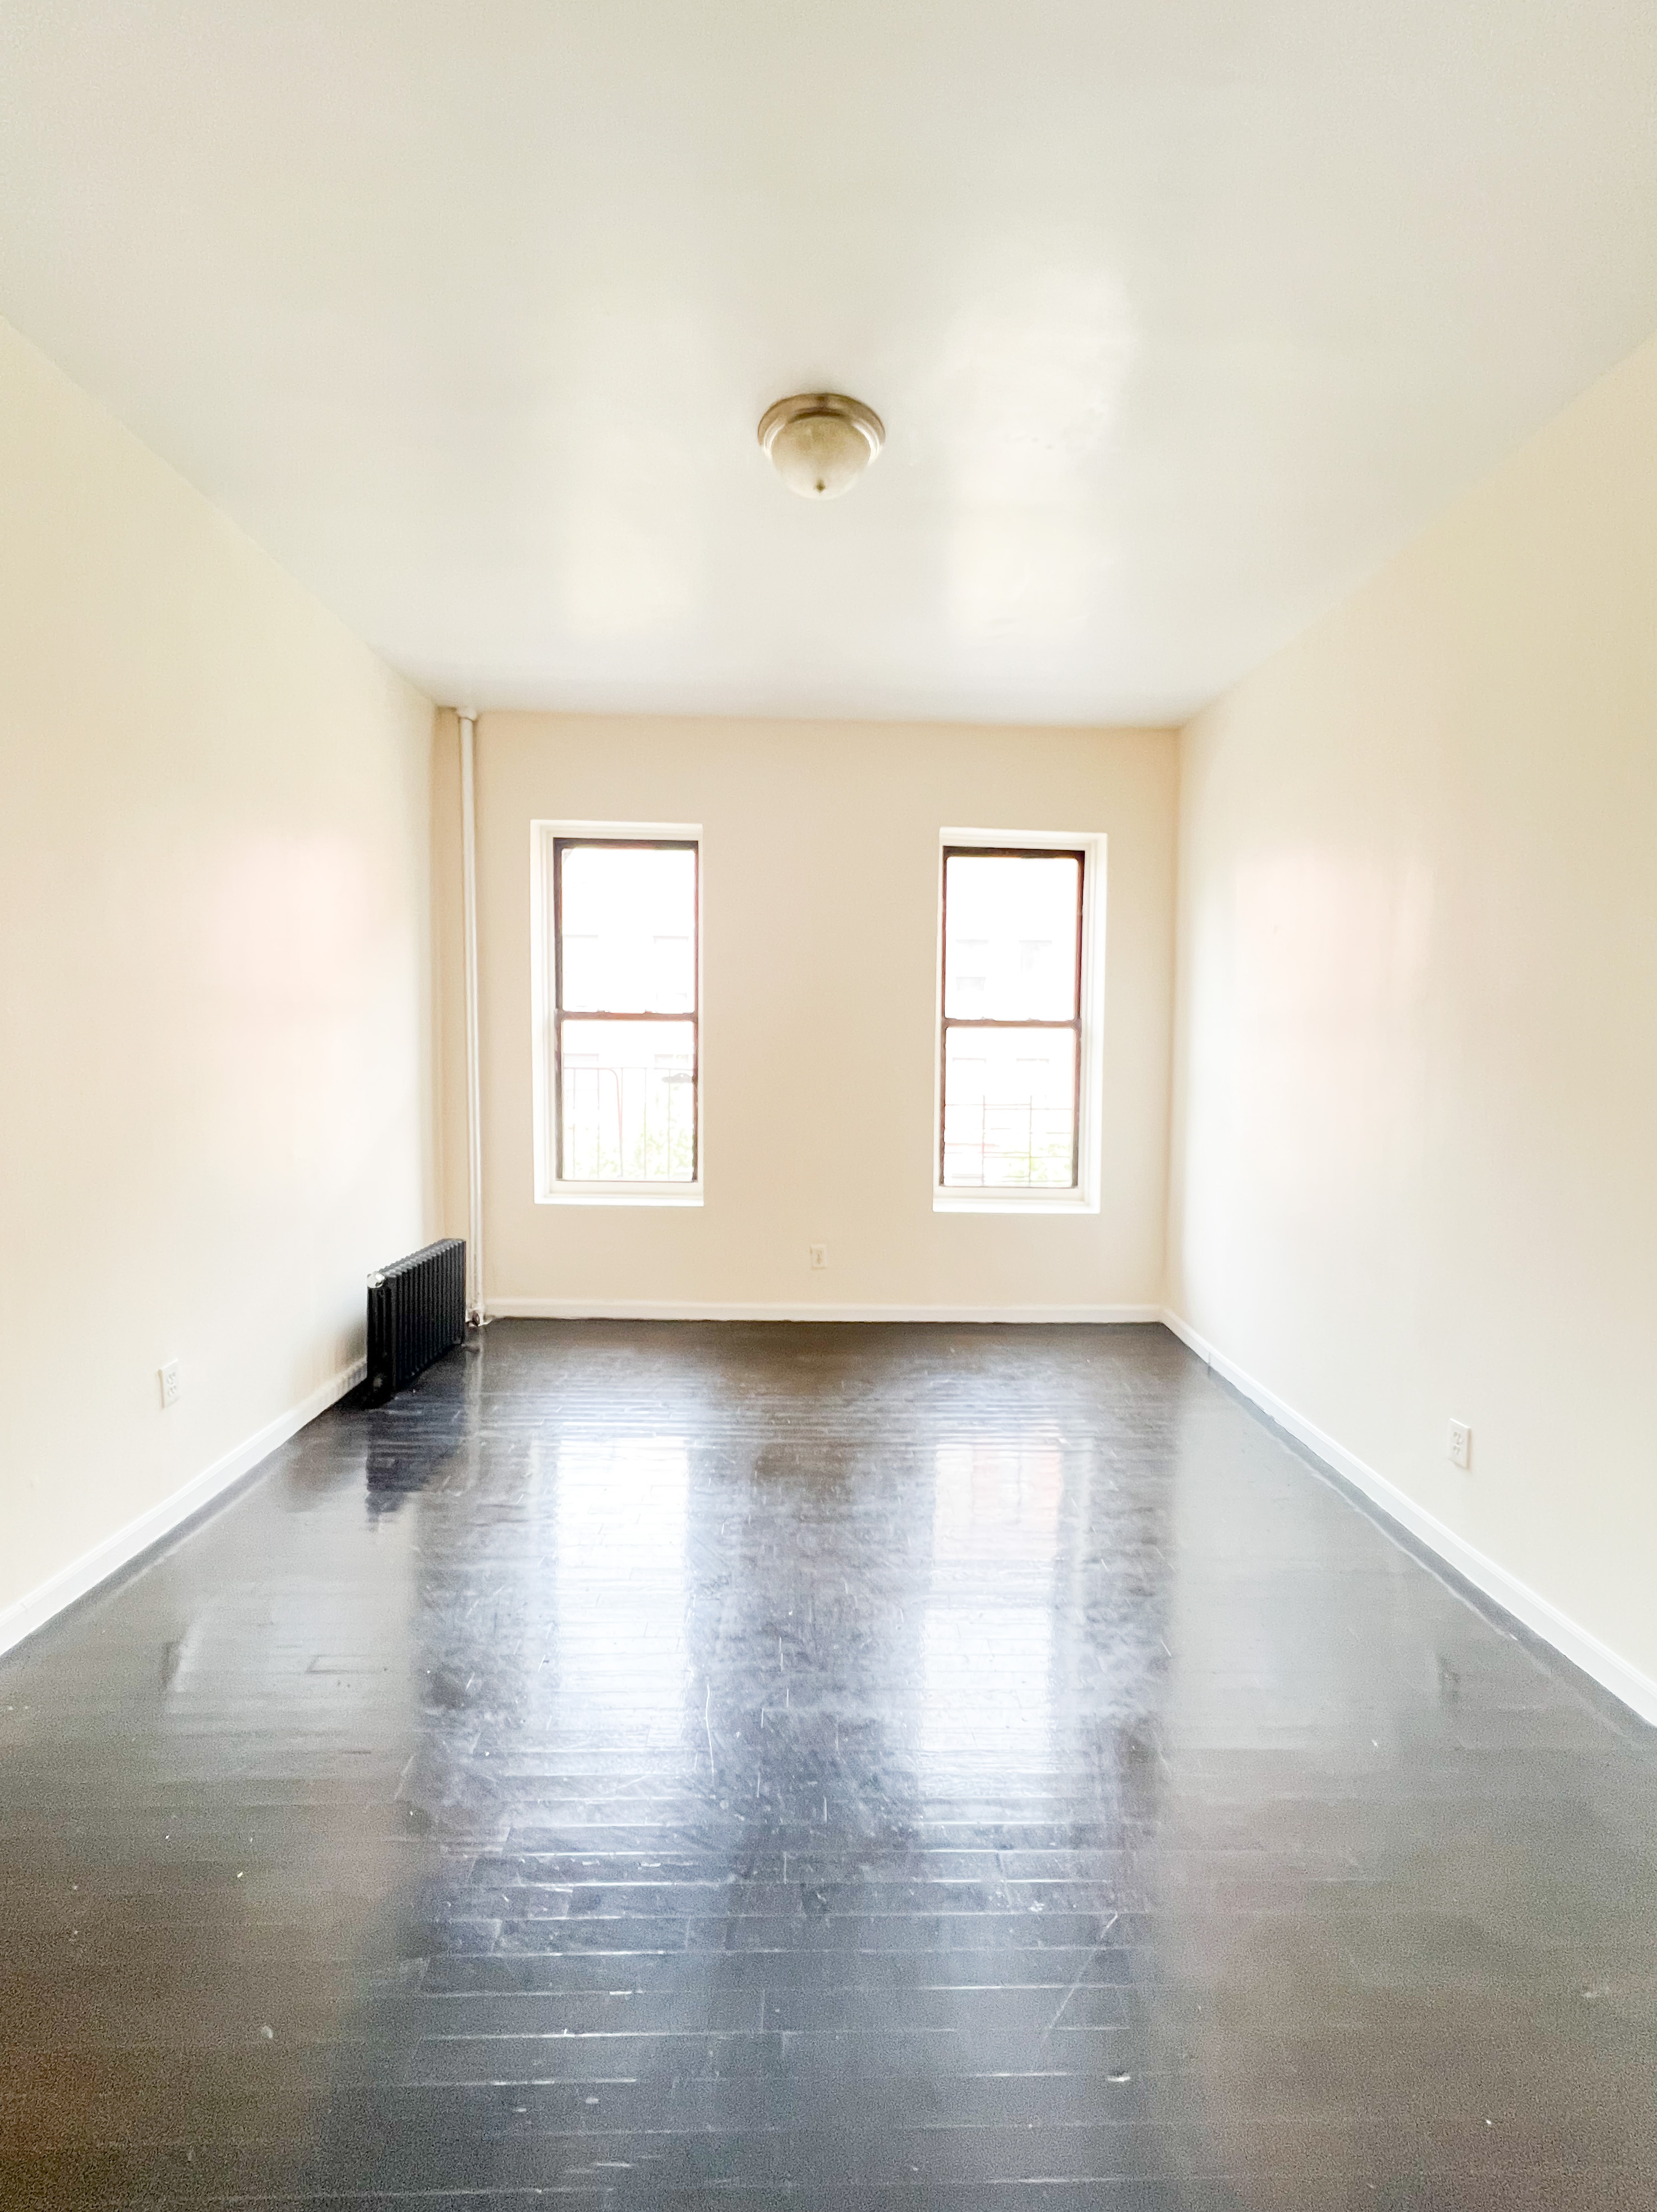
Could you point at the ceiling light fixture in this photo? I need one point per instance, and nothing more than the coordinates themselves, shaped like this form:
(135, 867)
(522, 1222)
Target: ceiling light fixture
(820, 442)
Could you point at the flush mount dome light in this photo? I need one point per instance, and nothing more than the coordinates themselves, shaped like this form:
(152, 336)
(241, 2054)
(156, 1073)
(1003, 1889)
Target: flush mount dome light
(821, 442)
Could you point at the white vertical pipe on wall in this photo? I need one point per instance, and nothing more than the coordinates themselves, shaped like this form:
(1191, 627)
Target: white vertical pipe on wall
(474, 1082)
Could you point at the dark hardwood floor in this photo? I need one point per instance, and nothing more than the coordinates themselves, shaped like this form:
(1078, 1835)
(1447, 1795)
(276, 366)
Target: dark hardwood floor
(931, 1769)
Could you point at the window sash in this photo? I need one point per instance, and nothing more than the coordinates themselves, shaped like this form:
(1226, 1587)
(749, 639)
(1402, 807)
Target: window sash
(948, 1022)
(693, 1018)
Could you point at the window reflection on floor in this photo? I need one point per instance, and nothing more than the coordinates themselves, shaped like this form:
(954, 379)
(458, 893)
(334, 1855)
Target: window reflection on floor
(997, 1502)
(986, 1640)
(619, 1641)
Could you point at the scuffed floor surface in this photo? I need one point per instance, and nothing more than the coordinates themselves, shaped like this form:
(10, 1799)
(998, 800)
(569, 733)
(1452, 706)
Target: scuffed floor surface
(934, 1770)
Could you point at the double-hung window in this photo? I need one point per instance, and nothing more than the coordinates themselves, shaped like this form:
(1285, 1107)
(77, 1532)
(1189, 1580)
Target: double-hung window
(618, 1059)
(1018, 1073)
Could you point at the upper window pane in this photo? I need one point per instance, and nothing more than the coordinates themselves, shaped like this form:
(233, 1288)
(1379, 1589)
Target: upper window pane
(628, 929)
(1012, 925)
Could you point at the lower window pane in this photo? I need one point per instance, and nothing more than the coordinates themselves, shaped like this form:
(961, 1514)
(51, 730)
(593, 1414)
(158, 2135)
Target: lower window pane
(628, 1101)
(1009, 1109)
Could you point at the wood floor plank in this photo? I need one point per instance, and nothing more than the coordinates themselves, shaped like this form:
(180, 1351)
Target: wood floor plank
(929, 1768)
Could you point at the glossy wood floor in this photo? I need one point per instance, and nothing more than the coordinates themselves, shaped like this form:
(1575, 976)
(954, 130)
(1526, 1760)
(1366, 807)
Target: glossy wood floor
(929, 1768)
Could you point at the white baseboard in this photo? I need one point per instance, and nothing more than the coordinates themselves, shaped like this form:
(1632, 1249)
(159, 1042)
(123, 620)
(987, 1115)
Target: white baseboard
(597, 1309)
(27, 1613)
(1613, 1673)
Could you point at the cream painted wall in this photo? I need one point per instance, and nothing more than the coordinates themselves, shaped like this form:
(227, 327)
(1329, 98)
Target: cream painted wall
(215, 1111)
(820, 858)
(1414, 1160)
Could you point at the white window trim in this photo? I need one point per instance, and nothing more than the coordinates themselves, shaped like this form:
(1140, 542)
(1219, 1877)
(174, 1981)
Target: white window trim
(549, 1189)
(1084, 1198)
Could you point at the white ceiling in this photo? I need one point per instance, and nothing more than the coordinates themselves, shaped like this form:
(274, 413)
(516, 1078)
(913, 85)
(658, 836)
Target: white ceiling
(1179, 313)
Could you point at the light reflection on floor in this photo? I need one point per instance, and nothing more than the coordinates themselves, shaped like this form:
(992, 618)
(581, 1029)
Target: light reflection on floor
(987, 1642)
(619, 1590)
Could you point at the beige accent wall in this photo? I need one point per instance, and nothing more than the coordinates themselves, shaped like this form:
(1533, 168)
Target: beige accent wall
(215, 1110)
(820, 888)
(1414, 1165)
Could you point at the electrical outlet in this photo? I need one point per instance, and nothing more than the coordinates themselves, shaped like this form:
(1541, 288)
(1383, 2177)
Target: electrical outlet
(170, 1383)
(1461, 1443)
(819, 1254)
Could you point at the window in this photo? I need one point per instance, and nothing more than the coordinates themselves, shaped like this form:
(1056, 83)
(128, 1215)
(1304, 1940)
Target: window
(618, 1059)
(1017, 1027)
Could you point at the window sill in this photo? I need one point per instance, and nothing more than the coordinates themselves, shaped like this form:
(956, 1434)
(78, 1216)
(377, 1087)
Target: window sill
(622, 1194)
(1012, 1201)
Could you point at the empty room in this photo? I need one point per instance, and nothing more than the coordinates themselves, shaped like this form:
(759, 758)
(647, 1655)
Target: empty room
(829, 946)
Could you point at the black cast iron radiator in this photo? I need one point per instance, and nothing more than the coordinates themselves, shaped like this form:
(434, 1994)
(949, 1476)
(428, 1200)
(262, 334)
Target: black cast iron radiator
(416, 1311)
